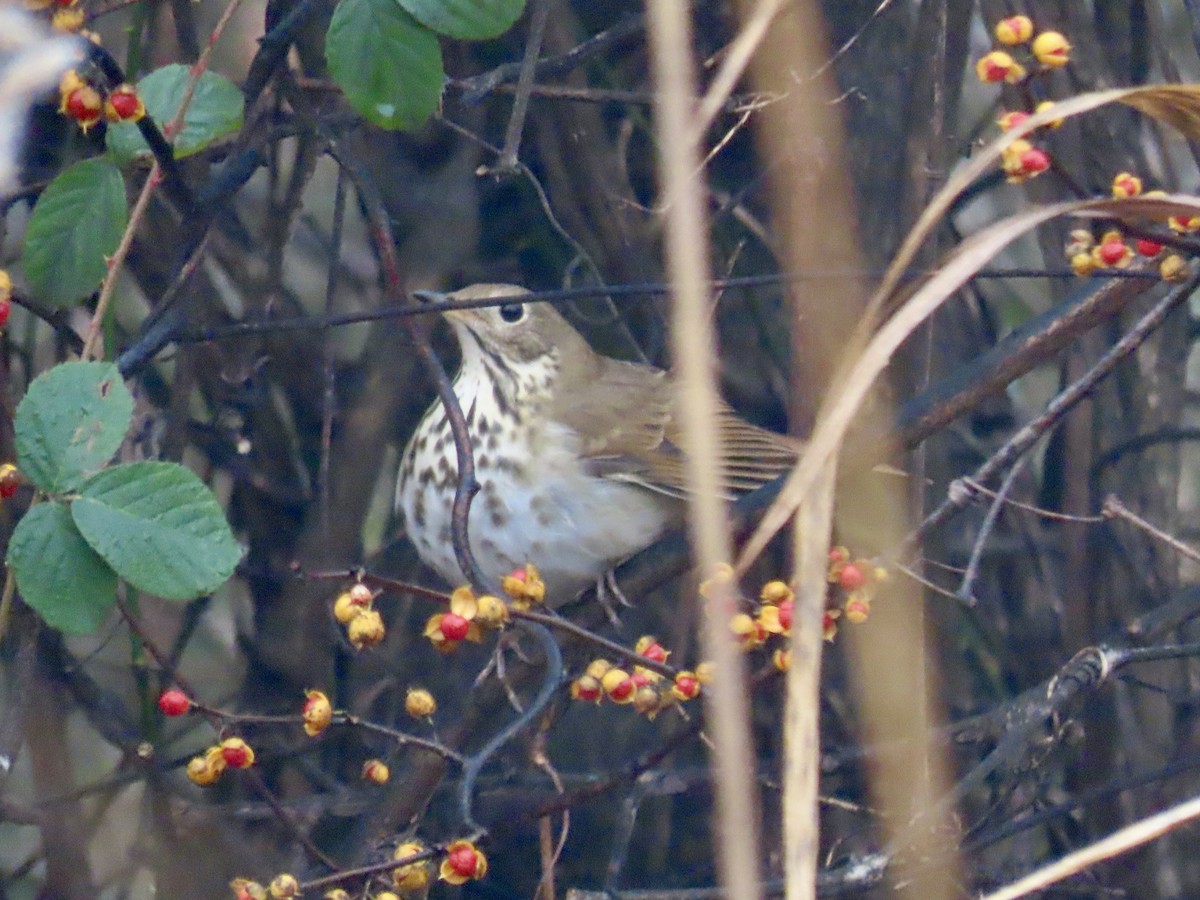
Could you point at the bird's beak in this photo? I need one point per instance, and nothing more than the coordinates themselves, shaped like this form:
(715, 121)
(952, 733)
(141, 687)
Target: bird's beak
(453, 315)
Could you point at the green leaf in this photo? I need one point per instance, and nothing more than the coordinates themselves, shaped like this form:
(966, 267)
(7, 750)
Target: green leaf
(77, 222)
(70, 423)
(216, 109)
(57, 573)
(159, 526)
(468, 20)
(386, 62)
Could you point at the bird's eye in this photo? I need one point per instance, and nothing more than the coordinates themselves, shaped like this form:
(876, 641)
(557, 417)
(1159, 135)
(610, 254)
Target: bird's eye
(512, 312)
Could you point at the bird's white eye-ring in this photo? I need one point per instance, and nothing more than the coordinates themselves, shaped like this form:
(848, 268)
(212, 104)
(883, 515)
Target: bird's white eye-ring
(512, 312)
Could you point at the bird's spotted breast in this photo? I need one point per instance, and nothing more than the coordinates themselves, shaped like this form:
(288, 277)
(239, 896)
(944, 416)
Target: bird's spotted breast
(537, 504)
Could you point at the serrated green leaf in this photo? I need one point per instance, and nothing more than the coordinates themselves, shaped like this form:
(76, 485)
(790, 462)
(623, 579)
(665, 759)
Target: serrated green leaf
(159, 526)
(70, 423)
(216, 109)
(57, 573)
(77, 222)
(387, 63)
(468, 20)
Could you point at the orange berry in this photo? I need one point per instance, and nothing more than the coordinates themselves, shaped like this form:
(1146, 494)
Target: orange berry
(413, 876)
(775, 592)
(998, 66)
(317, 713)
(463, 862)
(618, 685)
(1011, 120)
(858, 608)
(366, 629)
(1173, 268)
(237, 753)
(1051, 49)
(1126, 185)
(419, 703)
(284, 887)
(586, 688)
(376, 771)
(649, 647)
(686, 686)
(1014, 30)
(1083, 264)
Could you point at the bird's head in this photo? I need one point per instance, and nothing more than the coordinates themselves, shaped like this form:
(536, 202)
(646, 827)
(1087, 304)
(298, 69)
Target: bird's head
(519, 333)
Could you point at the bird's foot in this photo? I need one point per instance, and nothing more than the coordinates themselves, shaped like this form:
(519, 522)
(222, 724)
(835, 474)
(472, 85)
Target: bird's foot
(608, 591)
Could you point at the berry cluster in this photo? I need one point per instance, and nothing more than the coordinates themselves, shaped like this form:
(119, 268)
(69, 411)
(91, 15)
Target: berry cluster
(354, 608)
(1036, 53)
(1113, 250)
(83, 101)
(645, 688)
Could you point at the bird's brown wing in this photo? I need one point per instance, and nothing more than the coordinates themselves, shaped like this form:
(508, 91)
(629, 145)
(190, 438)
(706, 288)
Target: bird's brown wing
(630, 432)
(751, 456)
(618, 409)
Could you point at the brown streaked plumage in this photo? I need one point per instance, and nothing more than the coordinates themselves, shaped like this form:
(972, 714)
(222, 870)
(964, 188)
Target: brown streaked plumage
(578, 454)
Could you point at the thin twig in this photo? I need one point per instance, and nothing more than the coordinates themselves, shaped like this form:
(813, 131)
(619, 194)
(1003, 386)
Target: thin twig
(967, 585)
(380, 230)
(507, 163)
(1030, 508)
(737, 57)
(1026, 437)
(1115, 509)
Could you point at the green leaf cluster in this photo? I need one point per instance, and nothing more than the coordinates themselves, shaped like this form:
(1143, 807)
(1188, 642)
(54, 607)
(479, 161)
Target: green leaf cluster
(384, 54)
(80, 217)
(153, 524)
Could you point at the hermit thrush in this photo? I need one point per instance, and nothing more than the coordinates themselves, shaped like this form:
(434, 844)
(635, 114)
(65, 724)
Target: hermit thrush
(576, 454)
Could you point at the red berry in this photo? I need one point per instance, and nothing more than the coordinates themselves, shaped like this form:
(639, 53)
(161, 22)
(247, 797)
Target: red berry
(1035, 160)
(174, 703)
(464, 861)
(1145, 247)
(851, 578)
(655, 652)
(237, 756)
(454, 626)
(785, 613)
(125, 104)
(5, 310)
(84, 105)
(586, 689)
(10, 481)
(1112, 252)
(687, 686)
